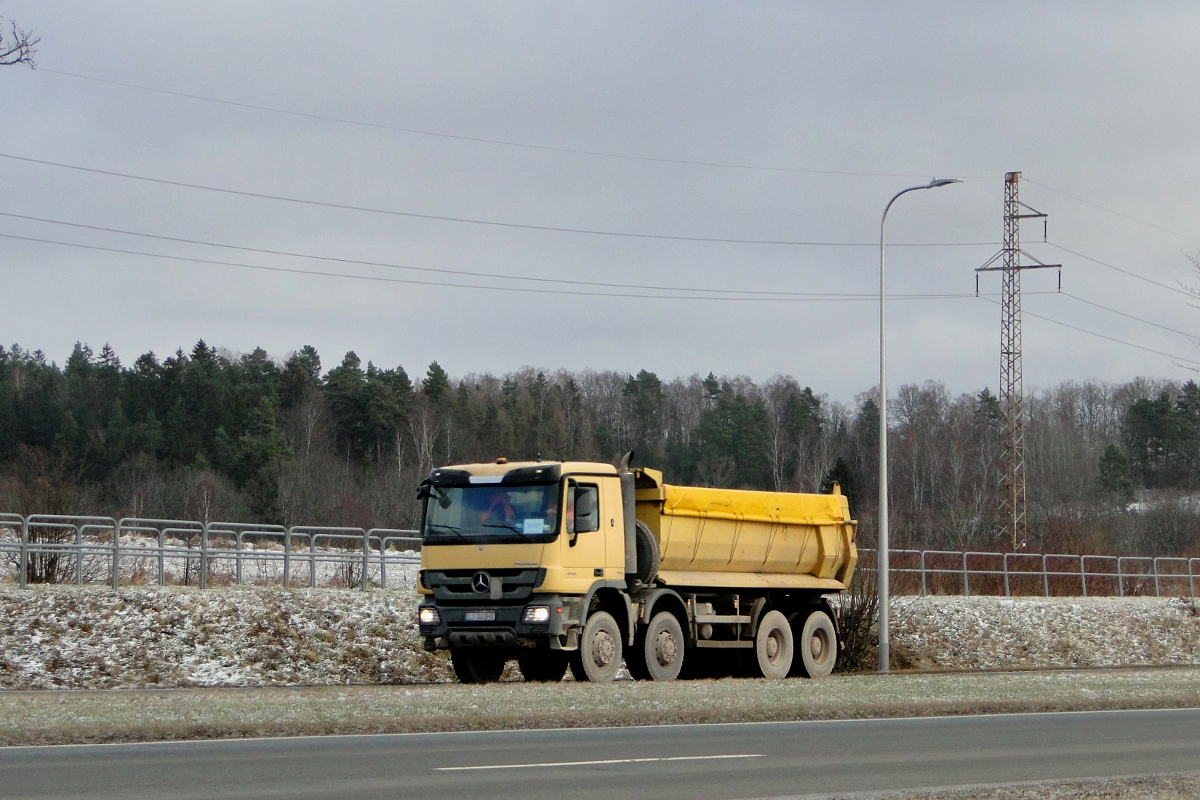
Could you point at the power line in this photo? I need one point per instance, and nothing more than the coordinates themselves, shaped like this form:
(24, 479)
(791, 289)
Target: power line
(482, 140)
(387, 265)
(1169, 288)
(1103, 336)
(1131, 316)
(1117, 213)
(468, 220)
(815, 298)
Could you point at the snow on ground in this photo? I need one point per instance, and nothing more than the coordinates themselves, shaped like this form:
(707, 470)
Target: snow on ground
(90, 637)
(1001, 632)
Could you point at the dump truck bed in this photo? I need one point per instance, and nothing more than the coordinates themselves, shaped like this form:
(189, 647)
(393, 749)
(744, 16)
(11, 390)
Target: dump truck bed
(725, 538)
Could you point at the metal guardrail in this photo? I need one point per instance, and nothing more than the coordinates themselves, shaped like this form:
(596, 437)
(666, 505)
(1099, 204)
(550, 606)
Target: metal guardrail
(1055, 574)
(50, 548)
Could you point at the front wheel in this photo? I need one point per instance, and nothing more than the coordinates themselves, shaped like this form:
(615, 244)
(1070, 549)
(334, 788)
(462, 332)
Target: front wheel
(599, 655)
(476, 666)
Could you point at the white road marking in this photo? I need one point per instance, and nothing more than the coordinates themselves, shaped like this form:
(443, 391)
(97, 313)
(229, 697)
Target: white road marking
(590, 763)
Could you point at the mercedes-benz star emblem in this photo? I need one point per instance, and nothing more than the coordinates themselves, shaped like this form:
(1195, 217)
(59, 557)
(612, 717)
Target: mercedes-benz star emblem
(481, 582)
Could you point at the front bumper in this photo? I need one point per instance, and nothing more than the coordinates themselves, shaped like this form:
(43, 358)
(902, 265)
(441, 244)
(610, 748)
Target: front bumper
(506, 628)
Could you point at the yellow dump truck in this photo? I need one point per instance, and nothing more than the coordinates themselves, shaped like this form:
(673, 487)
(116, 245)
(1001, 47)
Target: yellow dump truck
(579, 565)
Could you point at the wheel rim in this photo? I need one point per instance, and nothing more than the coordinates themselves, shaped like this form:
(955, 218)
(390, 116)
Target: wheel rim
(774, 646)
(819, 647)
(603, 648)
(665, 648)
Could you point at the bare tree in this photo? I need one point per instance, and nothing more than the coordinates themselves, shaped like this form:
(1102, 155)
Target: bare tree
(19, 48)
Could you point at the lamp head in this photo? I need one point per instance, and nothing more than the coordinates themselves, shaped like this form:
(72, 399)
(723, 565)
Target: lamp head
(936, 182)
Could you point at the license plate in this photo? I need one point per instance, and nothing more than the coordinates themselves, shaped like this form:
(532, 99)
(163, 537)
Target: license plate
(480, 616)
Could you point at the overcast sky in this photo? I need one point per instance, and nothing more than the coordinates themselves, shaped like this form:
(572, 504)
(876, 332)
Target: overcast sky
(823, 111)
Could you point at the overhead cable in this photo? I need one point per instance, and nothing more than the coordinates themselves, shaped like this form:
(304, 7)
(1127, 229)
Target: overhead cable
(1191, 336)
(1131, 274)
(482, 140)
(1027, 312)
(1113, 211)
(468, 220)
(360, 262)
(814, 298)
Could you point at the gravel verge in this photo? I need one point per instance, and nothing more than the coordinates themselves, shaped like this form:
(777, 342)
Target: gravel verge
(40, 717)
(1143, 787)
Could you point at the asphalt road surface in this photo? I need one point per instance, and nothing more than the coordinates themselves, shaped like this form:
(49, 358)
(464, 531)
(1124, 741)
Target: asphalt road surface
(665, 762)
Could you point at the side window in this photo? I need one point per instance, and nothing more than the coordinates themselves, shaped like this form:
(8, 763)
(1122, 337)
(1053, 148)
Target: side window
(583, 509)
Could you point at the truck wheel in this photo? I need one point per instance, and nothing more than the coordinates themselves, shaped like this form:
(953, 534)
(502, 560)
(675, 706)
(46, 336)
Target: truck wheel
(663, 647)
(474, 666)
(543, 670)
(818, 646)
(648, 554)
(773, 646)
(599, 655)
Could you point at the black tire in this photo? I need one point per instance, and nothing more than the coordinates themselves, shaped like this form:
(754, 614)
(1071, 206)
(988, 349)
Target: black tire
(648, 554)
(817, 646)
(635, 657)
(477, 666)
(543, 670)
(663, 647)
(598, 658)
(773, 647)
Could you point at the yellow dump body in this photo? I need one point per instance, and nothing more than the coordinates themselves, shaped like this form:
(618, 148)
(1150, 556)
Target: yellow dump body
(742, 539)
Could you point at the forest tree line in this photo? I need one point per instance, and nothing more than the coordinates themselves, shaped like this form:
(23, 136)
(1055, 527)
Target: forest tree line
(216, 435)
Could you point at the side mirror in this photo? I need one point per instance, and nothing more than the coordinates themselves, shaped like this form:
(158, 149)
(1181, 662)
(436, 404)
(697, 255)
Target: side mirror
(587, 509)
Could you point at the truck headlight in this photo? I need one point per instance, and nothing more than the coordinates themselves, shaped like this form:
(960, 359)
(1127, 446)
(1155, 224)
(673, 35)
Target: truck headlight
(428, 615)
(536, 615)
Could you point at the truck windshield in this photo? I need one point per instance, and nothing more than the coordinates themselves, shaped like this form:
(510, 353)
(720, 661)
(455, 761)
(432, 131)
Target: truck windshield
(492, 514)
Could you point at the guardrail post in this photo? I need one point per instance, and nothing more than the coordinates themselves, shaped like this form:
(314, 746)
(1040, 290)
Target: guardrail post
(116, 556)
(1045, 577)
(23, 577)
(202, 577)
(162, 558)
(1191, 579)
(79, 555)
(1083, 576)
(312, 561)
(966, 577)
(923, 593)
(1120, 578)
(237, 559)
(287, 559)
(366, 564)
(382, 562)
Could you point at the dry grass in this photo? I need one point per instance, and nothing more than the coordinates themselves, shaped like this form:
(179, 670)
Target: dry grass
(122, 716)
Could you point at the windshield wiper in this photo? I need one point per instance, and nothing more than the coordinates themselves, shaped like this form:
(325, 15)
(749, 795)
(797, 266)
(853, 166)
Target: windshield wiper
(512, 528)
(449, 529)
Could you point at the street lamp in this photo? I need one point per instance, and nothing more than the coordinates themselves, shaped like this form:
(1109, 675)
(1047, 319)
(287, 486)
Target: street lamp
(882, 568)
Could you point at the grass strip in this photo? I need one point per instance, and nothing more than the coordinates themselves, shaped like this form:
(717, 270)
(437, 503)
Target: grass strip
(29, 718)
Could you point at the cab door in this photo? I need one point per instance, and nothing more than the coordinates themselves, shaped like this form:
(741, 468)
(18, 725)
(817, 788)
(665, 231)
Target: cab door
(583, 551)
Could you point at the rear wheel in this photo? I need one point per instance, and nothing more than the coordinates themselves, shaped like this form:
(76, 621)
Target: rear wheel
(662, 647)
(599, 655)
(543, 670)
(773, 646)
(476, 666)
(817, 646)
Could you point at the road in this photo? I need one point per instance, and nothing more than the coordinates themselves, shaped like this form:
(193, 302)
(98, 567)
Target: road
(664, 762)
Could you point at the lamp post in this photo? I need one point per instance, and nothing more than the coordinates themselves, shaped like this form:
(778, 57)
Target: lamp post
(882, 568)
